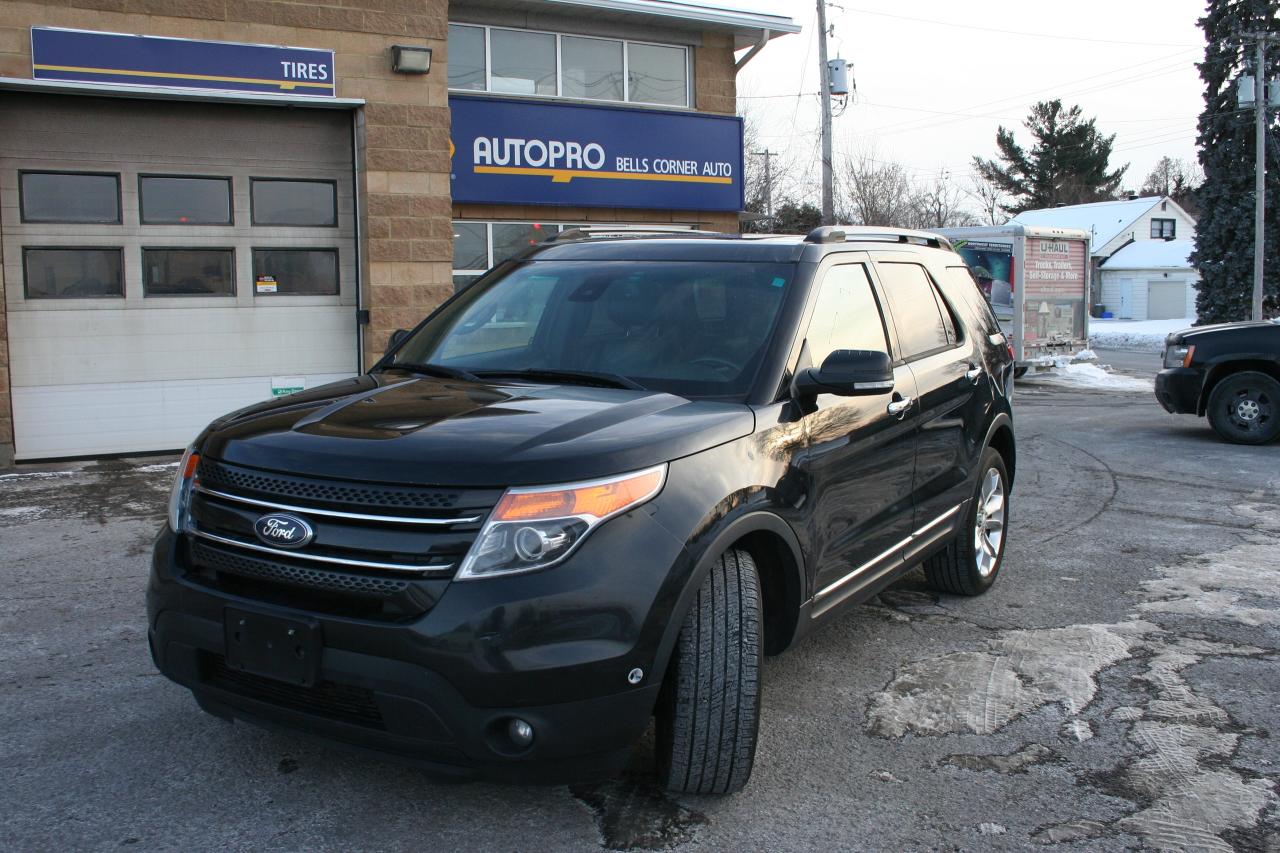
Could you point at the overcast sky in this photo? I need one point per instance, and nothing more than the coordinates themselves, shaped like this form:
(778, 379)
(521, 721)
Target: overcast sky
(935, 78)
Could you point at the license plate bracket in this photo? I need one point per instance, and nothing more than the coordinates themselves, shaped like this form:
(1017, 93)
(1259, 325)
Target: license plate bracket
(272, 646)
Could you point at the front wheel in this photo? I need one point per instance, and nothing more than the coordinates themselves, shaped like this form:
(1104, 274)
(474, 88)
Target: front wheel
(709, 713)
(1244, 408)
(971, 561)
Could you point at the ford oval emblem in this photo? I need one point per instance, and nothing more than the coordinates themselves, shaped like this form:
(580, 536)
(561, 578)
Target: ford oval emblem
(282, 530)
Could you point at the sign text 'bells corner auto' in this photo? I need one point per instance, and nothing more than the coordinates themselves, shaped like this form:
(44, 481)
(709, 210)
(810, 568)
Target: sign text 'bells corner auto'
(514, 152)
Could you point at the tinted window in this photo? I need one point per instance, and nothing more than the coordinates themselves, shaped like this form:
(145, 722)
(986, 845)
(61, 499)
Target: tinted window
(523, 63)
(698, 329)
(846, 315)
(295, 271)
(512, 237)
(658, 74)
(280, 202)
(914, 307)
(592, 68)
(466, 57)
(185, 201)
(69, 197)
(188, 272)
(72, 273)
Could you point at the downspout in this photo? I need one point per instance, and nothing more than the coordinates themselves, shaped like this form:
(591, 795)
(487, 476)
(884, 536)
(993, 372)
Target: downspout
(755, 48)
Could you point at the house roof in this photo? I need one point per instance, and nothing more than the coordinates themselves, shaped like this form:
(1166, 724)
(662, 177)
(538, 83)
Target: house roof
(1104, 219)
(1152, 255)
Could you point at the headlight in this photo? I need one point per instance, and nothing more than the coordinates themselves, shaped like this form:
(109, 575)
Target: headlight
(1178, 355)
(533, 528)
(180, 497)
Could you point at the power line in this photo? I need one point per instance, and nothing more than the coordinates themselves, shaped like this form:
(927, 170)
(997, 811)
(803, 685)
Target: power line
(1018, 32)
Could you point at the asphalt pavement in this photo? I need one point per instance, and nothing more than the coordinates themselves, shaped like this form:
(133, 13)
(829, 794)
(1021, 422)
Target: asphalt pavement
(1116, 690)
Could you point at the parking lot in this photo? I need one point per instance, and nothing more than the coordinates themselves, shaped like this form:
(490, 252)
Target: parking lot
(1117, 689)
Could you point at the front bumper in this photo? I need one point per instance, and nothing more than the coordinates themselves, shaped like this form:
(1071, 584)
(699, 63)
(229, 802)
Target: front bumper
(552, 648)
(1178, 389)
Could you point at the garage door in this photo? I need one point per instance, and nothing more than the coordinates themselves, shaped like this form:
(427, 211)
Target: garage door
(166, 262)
(1166, 300)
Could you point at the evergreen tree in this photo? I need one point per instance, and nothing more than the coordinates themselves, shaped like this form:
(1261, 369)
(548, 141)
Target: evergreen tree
(792, 218)
(1224, 230)
(1069, 162)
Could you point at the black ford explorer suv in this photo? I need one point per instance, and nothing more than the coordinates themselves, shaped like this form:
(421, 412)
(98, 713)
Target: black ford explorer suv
(591, 489)
(1230, 373)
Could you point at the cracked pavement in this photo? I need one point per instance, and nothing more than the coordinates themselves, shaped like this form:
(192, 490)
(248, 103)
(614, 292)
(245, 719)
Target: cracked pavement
(1116, 690)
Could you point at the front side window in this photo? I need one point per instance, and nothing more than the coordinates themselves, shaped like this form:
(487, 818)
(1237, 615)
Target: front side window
(169, 200)
(70, 197)
(524, 63)
(1164, 229)
(846, 315)
(72, 273)
(301, 272)
(188, 272)
(278, 201)
(915, 309)
(699, 329)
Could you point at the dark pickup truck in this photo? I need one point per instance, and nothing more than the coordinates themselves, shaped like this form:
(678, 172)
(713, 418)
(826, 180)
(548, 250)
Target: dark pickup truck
(1230, 373)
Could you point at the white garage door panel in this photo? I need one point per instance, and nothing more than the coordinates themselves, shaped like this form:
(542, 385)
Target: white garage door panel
(130, 416)
(1166, 300)
(113, 346)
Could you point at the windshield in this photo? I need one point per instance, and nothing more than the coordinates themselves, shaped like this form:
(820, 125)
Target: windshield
(698, 329)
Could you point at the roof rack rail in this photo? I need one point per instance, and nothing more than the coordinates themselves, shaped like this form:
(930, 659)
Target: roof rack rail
(859, 233)
(582, 232)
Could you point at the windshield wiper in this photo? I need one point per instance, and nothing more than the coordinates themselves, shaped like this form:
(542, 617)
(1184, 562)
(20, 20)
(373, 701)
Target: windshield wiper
(430, 370)
(584, 377)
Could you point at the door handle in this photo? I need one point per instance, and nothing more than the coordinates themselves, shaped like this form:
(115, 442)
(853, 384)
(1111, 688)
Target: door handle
(973, 374)
(898, 408)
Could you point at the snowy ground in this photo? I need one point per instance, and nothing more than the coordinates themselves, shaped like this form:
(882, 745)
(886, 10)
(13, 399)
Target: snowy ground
(1083, 370)
(1137, 335)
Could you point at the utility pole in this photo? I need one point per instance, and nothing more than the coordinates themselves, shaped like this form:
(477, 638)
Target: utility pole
(828, 199)
(768, 179)
(1260, 92)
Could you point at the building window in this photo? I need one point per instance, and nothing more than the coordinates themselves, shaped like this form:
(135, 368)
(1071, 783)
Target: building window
(76, 197)
(65, 272)
(281, 201)
(479, 246)
(188, 272)
(528, 62)
(182, 200)
(1164, 229)
(302, 272)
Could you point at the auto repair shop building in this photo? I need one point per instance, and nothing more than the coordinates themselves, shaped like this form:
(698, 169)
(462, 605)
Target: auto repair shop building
(195, 216)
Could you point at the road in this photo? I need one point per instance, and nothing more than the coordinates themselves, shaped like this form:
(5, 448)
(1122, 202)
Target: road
(1115, 690)
(1136, 363)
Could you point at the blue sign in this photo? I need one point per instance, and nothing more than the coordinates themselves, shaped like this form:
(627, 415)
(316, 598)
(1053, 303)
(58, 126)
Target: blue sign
(115, 58)
(522, 152)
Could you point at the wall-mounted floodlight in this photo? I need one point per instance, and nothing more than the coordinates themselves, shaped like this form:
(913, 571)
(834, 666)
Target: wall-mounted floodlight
(410, 59)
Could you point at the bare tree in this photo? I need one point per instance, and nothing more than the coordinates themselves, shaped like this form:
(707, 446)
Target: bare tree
(990, 201)
(940, 204)
(876, 192)
(1175, 178)
(765, 177)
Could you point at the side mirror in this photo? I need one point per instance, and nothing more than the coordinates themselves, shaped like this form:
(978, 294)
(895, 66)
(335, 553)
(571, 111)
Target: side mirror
(394, 341)
(847, 372)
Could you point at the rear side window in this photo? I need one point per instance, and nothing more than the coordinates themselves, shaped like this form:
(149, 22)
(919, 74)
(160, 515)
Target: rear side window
(923, 322)
(961, 286)
(846, 315)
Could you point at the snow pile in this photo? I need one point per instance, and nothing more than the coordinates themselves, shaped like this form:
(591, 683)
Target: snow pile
(1082, 371)
(1135, 335)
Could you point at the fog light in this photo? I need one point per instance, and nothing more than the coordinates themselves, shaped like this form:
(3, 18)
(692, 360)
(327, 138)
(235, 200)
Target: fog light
(520, 732)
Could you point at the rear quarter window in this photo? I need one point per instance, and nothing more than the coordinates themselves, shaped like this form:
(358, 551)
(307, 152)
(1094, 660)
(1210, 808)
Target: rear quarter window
(962, 291)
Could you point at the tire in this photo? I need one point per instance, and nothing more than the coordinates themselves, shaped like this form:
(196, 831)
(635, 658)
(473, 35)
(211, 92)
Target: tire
(965, 567)
(1244, 408)
(709, 713)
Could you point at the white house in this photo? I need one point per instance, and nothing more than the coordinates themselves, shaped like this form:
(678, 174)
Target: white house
(1116, 225)
(1150, 280)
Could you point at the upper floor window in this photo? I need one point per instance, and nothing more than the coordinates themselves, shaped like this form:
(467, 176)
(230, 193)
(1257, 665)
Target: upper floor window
(528, 62)
(1164, 229)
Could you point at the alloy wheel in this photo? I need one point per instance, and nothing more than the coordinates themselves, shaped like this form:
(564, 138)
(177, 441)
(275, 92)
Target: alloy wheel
(988, 526)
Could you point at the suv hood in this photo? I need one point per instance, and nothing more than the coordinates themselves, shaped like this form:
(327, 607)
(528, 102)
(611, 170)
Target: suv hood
(402, 428)
(1266, 326)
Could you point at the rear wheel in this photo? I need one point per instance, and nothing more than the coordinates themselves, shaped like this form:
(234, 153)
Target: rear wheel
(1244, 408)
(709, 713)
(971, 561)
